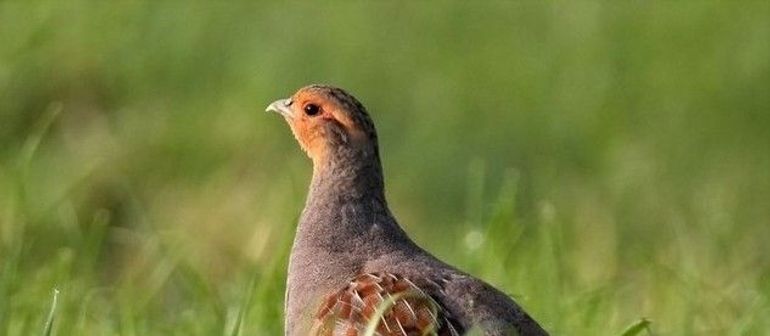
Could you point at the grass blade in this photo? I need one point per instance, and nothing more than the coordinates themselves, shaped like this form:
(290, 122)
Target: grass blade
(238, 325)
(51, 314)
(637, 328)
(36, 137)
(390, 301)
(371, 327)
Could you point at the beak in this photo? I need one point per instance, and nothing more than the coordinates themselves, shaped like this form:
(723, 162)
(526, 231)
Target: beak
(282, 107)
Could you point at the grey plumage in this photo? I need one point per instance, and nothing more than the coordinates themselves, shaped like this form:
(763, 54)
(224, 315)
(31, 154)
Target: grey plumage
(346, 228)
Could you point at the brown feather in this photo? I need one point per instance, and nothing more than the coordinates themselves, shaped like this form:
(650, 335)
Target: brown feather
(349, 311)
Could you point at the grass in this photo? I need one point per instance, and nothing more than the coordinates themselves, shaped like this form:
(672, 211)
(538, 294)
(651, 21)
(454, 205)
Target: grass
(51, 314)
(605, 164)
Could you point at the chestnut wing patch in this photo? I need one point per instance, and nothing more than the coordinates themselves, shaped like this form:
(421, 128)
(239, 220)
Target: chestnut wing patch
(399, 307)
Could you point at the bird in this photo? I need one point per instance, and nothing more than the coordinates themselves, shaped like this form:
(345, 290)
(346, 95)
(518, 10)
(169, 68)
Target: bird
(353, 270)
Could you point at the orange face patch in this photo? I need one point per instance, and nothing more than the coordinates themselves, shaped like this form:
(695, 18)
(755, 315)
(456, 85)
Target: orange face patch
(309, 129)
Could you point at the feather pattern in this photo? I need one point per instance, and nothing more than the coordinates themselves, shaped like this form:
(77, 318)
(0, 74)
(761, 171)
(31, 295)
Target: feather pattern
(400, 307)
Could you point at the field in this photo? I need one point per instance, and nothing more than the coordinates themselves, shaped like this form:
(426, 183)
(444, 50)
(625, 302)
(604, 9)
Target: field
(606, 164)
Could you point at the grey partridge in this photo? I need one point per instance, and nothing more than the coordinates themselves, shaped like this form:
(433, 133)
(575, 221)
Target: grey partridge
(352, 268)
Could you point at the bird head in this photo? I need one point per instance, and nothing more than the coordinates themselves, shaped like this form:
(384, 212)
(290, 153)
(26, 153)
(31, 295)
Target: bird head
(327, 122)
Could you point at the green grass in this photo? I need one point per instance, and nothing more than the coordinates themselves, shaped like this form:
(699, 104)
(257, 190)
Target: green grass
(605, 164)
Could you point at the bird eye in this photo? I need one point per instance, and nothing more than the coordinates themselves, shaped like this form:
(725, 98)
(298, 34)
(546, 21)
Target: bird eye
(312, 109)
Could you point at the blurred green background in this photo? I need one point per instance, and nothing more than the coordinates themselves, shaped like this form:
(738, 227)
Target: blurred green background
(601, 162)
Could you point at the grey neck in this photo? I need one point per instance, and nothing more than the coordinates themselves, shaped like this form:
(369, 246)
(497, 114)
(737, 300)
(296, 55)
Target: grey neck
(347, 203)
(347, 175)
